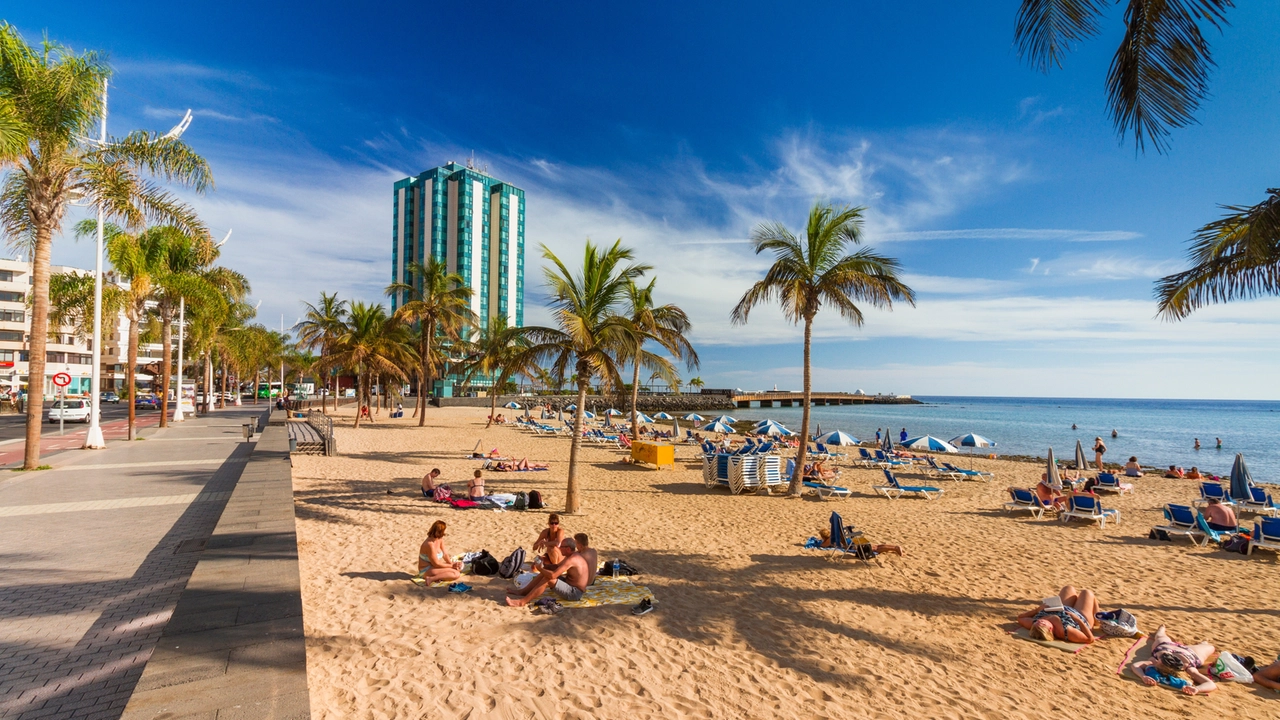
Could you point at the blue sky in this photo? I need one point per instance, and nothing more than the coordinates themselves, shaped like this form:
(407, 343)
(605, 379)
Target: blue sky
(1031, 232)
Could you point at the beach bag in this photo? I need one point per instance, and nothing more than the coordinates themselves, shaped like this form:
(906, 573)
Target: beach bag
(1118, 623)
(510, 567)
(521, 501)
(1228, 668)
(443, 493)
(535, 500)
(1237, 543)
(484, 564)
(1159, 534)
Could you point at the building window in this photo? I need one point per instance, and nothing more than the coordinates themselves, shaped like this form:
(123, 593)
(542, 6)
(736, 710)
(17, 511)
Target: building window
(12, 316)
(55, 357)
(12, 297)
(6, 276)
(11, 335)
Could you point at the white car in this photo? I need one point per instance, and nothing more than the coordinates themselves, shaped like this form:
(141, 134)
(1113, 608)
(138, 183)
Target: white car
(69, 411)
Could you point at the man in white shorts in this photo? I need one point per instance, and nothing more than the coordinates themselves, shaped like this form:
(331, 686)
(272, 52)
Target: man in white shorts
(568, 580)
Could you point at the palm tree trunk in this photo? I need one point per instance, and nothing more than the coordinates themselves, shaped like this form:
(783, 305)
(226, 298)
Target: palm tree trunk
(208, 381)
(222, 396)
(131, 372)
(36, 357)
(426, 374)
(166, 366)
(257, 378)
(797, 480)
(571, 491)
(635, 396)
(359, 397)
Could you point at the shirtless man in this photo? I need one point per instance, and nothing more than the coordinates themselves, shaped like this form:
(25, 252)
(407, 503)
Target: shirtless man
(588, 553)
(429, 483)
(568, 580)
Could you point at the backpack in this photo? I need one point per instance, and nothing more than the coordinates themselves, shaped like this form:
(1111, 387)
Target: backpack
(484, 564)
(522, 501)
(535, 500)
(443, 493)
(512, 565)
(1118, 623)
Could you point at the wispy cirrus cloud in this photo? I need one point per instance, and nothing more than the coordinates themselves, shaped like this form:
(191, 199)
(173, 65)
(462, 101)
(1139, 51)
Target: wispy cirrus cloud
(1027, 234)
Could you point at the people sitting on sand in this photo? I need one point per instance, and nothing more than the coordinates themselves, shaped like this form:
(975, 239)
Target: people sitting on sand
(1220, 516)
(433, 558)
(1170, 659)
(824, 535)
(551, 537)
(475, 486)
(1071, 617)
(429, 483)
(588, 554)
(1194, 473)
(567, 579)
(1132, 468)
(1175, 472)
(1269, 676)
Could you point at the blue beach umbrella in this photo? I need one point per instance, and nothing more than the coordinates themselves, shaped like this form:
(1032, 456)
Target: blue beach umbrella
(693, 417)
(571, 407)
(720, 427)
(642, 418)
(726, 419)
(775, 430)
(971, 440)
(662, 416)
(929, 442)
(886, 444)
(837, 437)
(766, 421)
(513, 405)
(588, 414)
(613, 411)
(1241, 479)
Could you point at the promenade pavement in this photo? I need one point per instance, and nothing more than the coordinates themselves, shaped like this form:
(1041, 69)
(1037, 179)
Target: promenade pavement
(94, 555)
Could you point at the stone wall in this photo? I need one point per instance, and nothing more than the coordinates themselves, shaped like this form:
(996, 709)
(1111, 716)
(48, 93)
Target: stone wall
(646, 403)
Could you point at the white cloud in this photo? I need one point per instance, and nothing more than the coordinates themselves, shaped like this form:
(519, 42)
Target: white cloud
(1029, 234)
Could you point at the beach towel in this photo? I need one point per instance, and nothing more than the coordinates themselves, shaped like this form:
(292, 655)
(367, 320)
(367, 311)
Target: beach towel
(607, 591)
(1024, 634)
(463, 504)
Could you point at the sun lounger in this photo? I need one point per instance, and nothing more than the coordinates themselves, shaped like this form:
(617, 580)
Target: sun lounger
(895, 490)
(865, 459)
(1213, 491)
(1111, 483)
(938, 471)
(1266, 534)
(825, 491)
(1088, 507)
(979, 474)
(1023, 499)
(1182, 521)
(848, 541)
(1260, 503)
(823, 450)
(885, 462)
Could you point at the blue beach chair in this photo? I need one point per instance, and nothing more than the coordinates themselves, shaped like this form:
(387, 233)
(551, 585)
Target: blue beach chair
(1266, 534)
(979, 474)
(1083, 506)
(1213, 491)
(1023, 499)
(1111, 483)
(895, 489)
(1260, 503)
(1182, 520)
(846, 541)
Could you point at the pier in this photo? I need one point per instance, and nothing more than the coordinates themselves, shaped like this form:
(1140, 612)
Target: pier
(774, 398)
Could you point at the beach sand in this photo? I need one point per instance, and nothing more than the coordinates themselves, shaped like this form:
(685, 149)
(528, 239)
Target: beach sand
(747, 624)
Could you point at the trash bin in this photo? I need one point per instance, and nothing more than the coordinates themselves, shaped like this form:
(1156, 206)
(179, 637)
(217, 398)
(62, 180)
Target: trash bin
(293, 444)
(248, 431)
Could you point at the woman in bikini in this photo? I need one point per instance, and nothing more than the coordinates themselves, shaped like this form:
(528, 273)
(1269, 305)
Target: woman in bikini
(475, 486)
(433, 558)
(1171, 659)
(1072, 619)
(1099, 449)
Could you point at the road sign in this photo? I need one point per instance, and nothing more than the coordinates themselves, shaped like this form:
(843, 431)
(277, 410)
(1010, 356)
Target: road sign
(61, 379)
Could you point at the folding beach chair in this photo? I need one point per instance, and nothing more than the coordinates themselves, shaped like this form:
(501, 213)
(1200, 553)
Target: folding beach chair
(1213, 491)
(1083, 506)
(865, 459)
(938, 471)
(1266, 534)
(1182, 521)
(825, 491)
(979, 474)
(1110, 483)
(895, 490)
(1023, 499)
(885, 462)
(846, 540)
(1260, 503)
(823, 450)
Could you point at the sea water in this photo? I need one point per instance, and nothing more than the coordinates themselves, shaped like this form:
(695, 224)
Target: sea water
(1158, 432)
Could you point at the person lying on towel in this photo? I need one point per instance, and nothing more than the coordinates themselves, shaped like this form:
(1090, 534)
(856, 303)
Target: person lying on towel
(1070, 616)
(1170, 659)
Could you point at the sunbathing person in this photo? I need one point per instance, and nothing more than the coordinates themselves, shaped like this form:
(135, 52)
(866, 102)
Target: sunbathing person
(825, 536)
(475, 486)
(1220, 517)
(1170, 659)
(567, 579)
(588, 553)
(1049, 495)
(1072, 620)
(429, 483)
(433, 558)
(1175, 472)
(1269, 676)
(1132, 468)
(1194, 474)
(550, 538)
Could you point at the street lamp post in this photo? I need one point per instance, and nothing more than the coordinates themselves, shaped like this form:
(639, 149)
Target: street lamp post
(182, 333)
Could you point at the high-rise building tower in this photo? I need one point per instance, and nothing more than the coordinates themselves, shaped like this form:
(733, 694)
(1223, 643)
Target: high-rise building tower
(473, 223)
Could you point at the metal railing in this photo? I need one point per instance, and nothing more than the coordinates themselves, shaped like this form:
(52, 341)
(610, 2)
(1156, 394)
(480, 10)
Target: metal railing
(323, 424)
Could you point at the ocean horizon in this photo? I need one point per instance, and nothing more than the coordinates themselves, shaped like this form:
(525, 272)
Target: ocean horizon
(1158, 432)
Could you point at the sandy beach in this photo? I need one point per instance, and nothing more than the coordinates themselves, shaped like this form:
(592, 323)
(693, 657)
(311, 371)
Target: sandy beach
(747, 625)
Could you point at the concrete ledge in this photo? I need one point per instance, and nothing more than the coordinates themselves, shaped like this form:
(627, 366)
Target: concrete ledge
(235, 645)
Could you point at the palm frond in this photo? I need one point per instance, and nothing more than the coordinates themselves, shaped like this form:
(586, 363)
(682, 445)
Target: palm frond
(1048, 29)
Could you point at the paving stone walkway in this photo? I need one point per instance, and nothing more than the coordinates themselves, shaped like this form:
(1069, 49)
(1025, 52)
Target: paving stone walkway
(94, 555)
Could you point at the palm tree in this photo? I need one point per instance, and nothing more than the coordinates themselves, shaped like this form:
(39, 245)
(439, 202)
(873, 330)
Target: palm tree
(71, 305)
(1158, 78)
(187, 275)
(52, 100)
(809, 272)
(696, 383)
(497, 355)
(590, 333)
(370, 344)
(666, 325)
(320, 327)
(439, 301)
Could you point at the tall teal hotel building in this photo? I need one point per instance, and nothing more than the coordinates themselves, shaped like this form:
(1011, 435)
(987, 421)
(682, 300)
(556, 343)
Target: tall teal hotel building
(475, 225)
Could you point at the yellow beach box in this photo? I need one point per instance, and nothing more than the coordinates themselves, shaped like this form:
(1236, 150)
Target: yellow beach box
(657, 454)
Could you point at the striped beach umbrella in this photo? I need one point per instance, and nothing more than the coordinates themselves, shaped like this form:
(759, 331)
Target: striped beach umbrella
(513, 405)
(775, 430)
(588, 414)
(613, 411)
(930, 443)
(571, 407)
(720, 427)
(642, 418)
(727, 419)
(662, 416)
(693, 417)
(971, 440)
(837, 437)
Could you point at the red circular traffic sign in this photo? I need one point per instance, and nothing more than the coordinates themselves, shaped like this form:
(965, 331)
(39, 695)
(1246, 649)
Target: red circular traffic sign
(61, 379)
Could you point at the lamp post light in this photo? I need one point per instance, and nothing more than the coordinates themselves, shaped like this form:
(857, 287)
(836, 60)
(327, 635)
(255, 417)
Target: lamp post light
(182, 333)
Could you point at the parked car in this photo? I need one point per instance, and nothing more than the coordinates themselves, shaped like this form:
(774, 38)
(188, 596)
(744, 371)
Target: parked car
(146, 401)
(69, 411)
(109, 397)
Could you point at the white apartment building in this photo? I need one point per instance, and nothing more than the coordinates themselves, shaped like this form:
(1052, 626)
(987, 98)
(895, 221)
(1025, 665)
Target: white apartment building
(64, 352)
